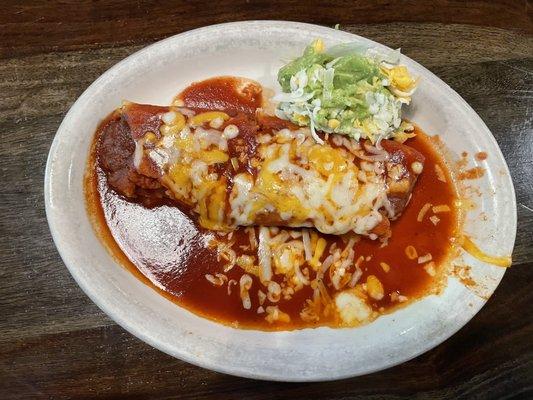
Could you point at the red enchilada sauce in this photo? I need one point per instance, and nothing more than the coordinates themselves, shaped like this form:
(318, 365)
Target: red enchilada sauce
(166, 248)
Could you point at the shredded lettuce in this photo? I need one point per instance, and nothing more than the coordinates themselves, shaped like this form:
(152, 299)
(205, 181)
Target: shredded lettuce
(350, 89)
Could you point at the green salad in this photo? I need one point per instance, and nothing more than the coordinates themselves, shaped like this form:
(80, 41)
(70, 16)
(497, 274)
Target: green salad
(349, 89)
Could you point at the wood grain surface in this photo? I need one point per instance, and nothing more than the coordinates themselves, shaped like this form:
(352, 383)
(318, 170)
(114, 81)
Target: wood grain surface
(56, 344)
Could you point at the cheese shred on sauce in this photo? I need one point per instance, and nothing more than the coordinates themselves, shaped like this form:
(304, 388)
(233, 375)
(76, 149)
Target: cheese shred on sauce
(471, 248)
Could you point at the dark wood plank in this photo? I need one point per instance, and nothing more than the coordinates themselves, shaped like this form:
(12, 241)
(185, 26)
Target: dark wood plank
(69, 25)
(54, 343)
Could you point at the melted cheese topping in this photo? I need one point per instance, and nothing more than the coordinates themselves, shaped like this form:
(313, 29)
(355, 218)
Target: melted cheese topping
(309, 184)
(298, 181)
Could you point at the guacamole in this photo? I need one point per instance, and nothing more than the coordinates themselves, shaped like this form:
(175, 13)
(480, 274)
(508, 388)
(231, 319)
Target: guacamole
(349, 90)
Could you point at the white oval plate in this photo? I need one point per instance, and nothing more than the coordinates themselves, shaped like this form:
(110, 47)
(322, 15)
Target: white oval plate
(256, 50)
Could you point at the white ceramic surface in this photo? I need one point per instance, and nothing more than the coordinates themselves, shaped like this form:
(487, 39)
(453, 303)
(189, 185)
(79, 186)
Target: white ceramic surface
(256, 50)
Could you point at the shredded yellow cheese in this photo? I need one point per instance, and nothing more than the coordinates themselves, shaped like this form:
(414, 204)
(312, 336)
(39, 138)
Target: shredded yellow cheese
(410, 252)
(385, 266)
(319, 250)
(314, 238)
(425, 208)
(208, 116)
(471, 248)
(440, 173)
(441, 208)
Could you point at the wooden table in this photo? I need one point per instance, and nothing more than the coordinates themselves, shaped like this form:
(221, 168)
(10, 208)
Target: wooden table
(55, 343)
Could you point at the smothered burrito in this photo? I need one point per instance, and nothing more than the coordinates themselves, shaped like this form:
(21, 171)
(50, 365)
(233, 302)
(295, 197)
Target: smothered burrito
(315, 205)
(253, 169)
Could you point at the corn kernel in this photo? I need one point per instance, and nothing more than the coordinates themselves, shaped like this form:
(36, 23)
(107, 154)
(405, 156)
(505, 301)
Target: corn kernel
(301, 119)
(318, 45)
(150, 136)
(374, 287)
(333, 123)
